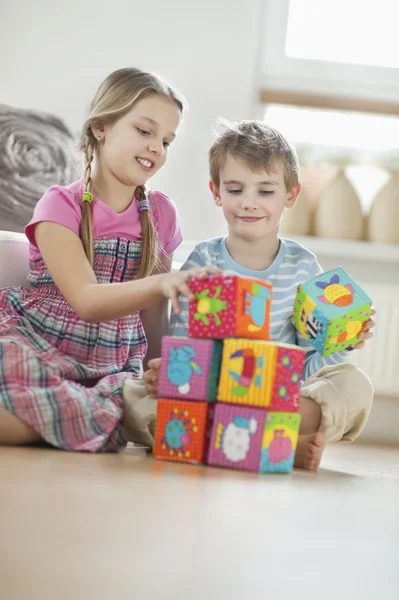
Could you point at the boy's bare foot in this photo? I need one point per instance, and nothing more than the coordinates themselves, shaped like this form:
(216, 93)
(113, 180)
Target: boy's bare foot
(309, 450)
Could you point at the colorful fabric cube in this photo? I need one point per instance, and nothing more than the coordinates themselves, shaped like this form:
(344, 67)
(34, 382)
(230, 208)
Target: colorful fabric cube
(331, 310)
(261, 374)
(182, 430)
(280, 438)
(253, 439)
(190, 369)
(236, 439)
(230, 306)
(287, 378)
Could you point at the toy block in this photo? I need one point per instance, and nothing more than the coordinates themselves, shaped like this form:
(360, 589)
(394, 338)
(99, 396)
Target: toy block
(230, 306)
(246, 373)
(261, 374)
(331, 310)
(182, 430)
(236, 438)
(280, 438)
(190, 369)
(287, 378)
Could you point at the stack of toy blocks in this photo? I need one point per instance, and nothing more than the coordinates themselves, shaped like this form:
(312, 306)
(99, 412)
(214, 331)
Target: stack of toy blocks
(229, 397)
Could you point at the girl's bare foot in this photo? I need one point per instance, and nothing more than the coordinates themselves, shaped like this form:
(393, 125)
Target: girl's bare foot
(309, 450)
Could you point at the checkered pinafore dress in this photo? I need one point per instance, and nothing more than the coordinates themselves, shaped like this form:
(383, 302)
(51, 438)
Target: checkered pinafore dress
(61, 375)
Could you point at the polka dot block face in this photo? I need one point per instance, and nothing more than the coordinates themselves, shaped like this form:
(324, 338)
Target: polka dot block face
(230, 306)
(287, 378)
(261, 374)
(182, 430)
(331, 310)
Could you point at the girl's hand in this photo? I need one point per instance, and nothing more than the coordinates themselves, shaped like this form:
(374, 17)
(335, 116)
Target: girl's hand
(174, 284)
(151, 376)
(366, 334)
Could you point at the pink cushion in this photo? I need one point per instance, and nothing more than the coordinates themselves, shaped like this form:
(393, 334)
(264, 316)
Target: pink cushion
(14, 264)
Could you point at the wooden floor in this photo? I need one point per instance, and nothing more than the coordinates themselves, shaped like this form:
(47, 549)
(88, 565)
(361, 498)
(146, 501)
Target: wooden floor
(126, 526)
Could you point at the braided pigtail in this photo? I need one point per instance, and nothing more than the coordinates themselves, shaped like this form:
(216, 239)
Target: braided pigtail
(149, 252)
(86, 233)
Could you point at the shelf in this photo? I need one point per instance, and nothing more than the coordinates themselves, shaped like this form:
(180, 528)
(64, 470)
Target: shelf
(352, 249)
(333, 248)
(387, 253)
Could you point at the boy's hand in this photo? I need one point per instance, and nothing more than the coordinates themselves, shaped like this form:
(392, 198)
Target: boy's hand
(151, 376)
(366, 334)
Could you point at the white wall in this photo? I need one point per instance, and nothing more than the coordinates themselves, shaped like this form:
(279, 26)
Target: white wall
(53, 55)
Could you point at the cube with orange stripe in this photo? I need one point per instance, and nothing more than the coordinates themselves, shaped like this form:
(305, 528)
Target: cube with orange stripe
(183, 430)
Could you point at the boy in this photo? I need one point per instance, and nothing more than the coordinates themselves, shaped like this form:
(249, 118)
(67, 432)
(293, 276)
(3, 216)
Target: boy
(254, 179)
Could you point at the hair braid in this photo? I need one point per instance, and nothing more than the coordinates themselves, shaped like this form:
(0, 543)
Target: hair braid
(86, 227)
(149, 245)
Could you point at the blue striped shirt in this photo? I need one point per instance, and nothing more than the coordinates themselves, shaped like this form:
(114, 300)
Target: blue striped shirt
(292, 266)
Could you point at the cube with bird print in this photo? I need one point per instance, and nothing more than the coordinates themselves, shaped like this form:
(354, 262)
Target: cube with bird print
(230, 306)
(331, 310)
(190, 368)
(261, 374)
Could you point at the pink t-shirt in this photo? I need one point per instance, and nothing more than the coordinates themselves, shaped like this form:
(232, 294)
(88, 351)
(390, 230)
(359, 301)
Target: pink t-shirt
(63, 205)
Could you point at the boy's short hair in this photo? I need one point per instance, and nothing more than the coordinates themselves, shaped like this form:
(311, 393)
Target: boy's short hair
(257, 145)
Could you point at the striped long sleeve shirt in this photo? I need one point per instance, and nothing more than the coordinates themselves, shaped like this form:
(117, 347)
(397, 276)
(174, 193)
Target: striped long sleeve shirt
(292, 266)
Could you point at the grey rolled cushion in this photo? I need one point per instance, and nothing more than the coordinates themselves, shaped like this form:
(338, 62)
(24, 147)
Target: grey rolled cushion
(37, 150)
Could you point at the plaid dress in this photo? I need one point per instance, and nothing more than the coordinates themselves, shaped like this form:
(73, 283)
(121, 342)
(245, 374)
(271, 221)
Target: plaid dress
(59, 374)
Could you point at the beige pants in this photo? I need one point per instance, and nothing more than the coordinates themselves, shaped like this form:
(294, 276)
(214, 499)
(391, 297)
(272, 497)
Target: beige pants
(344, 393)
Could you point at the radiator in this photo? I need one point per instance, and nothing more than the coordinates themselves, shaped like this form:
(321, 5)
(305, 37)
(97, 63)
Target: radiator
(380, 356)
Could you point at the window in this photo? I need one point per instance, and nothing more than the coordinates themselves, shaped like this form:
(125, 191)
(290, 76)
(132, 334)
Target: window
(329, 78)
(345, 47)
(365, 145)
(368, 136)
(344, 31)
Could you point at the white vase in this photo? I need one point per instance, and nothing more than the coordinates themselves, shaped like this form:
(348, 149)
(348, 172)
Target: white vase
(339, 212)
(383, 219)
(296, 220)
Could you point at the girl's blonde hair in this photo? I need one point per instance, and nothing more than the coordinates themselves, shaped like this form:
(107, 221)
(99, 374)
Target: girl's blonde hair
(114, 98)
(257, 145)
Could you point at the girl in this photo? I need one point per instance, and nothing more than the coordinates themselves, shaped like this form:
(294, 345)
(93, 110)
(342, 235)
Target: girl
(68, 343)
